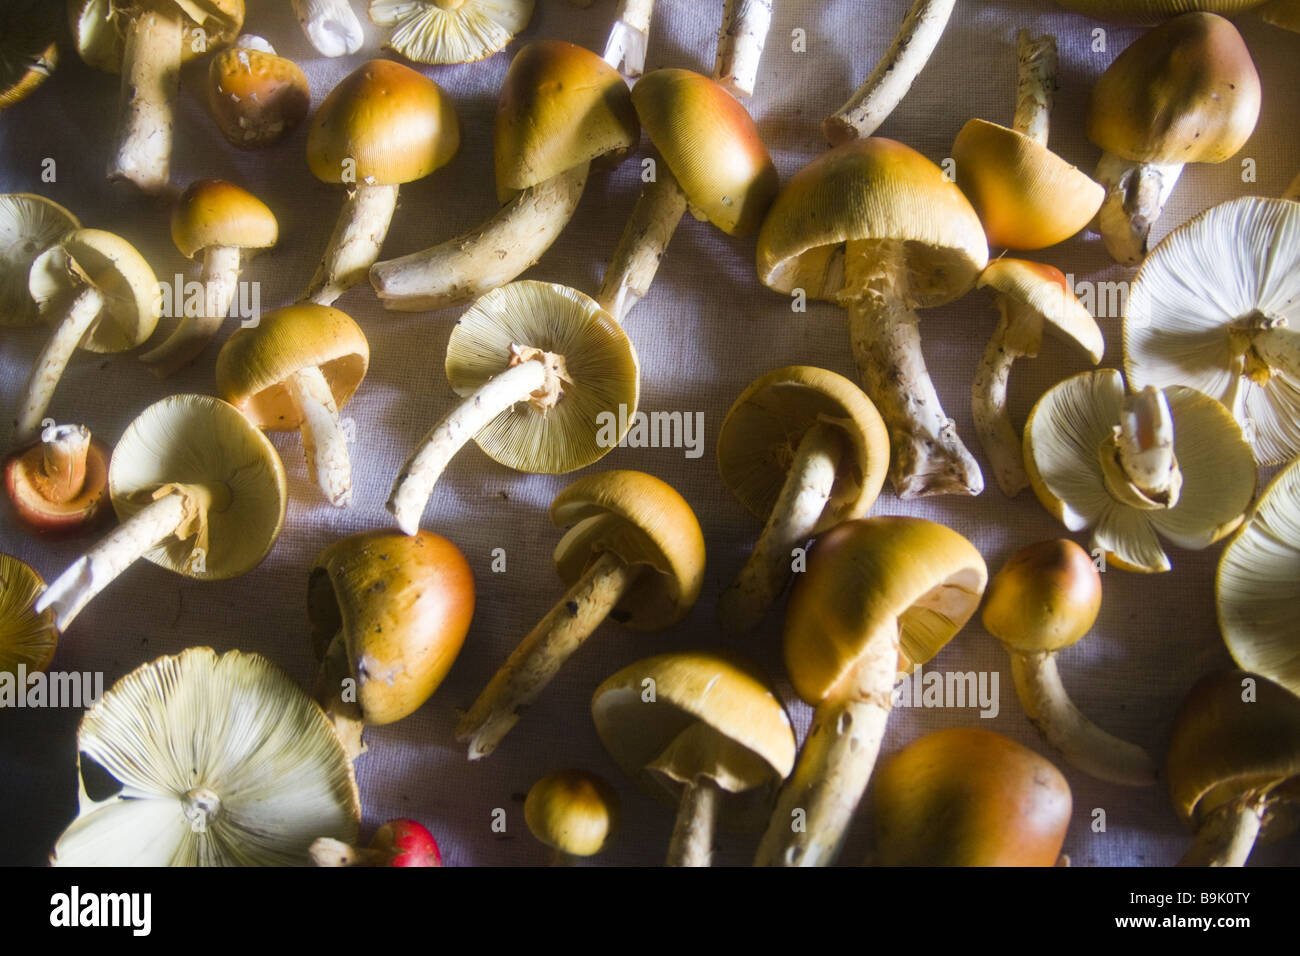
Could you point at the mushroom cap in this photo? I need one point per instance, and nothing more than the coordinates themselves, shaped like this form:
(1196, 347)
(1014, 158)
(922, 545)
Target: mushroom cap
(886, 575)
(255, 96)
(1184, 92)
(1152, 11)
(604, 373)
(1235, 262)
(560, 106)
(1027, 197)
(711, 145)
(1046, 597)
(397, 125)
(572, 811)
(29, 224)
(29, 47)
(232, 732)
(1046, 291)
(645, 522)
(98, 28)
(1281, 13)
(763, 429)
(968, 797)
(26, 637)
(872, 189)
(255, 363)
(403, 605)
(213, 212)
(28, 494)
(116, 270)
(428, 32)
(201, 440)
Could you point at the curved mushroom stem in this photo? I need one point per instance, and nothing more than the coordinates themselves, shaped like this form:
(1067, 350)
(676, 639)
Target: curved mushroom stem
(354, 246)
(327, 851)
(487, 257)
(323, 440)
(192, 334)
(62, 474)
(629, 37)
(330, 25)
(794, 517)
(50, 364)
(1227, 835)
(740, 44)
(344, 715)
(540, 655)
(697, 813)
(1138, 464)
(645, 238)
(1018, 334)
(151, 70)
(1292, 192)
(1081, 742)
(1035, 84)
(889, 82)
(1136, 194)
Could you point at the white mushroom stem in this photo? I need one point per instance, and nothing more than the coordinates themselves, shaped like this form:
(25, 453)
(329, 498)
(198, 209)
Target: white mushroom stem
(697, 813)
(1138, 463)
(63, 462)
(629, 37)
(645, 238)
(349, 723)
(1227, 836)
(330, 25)
(1081, 742)
(354, 246)
(740, 44)
(1036, 63)
(540, 655)
(1018, 335)
(488, 256)
(323, 441)
(807, 489)
(52, 361)
(151, 69)
(220, 279)
(1136, 194)
(327, 851)
(889, 82)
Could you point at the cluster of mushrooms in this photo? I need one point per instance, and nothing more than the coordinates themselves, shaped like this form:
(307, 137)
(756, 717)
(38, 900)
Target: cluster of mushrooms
(204, 759)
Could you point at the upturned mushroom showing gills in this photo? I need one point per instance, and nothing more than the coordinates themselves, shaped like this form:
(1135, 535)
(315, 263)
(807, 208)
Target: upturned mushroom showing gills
(741, 39)
(702, 731)
(711, 160)
(573, 812)
(294, 371)
(100, 295)
(561, 108)
(331, 26)
(29, 47)
(449, 31)
(1185, 92)
(400, 843)
(633, 552)
(198, 490)
(147, 43)
(27, 638)
(200, 760)
(1129, 467)
(58, 485)
(802, 449)
(878, 594)
(383, 125)
(541, 366)
(256, 97)
(968, 797)
(29, 224)
(1045, 598)
(875, 227)
(1234, 766)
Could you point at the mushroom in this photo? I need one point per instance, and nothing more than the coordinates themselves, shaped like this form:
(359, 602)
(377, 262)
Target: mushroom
(58, 485)
(29, 48)
(1234, 766)
(383, 125)
(740, 44)
(29, 224)
(573, 812)
(629, 37)
(397, 843)
(27, 638)
(879, 593)
(702, 731)
(450, 31)
(633, 552)
(1284, 14)
(1185, 92)
(147, 43)
(256, 97)
(802, 449)
(1032, 298)
(100, 295)
(200, 760)
(1152, 11)
(198, 490)
(541, 366)
(228, 225)
(712, 161)
(1132, 466)
(1043, 600)
(968, 797)
(876, 227)
(389, 614)
(561, 108)
(330, 25)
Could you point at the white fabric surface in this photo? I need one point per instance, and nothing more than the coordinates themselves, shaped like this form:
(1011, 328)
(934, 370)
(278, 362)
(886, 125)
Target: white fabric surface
(706, 329)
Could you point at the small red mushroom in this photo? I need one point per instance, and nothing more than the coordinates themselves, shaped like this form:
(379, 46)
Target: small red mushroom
(58, 485)
(397, 843)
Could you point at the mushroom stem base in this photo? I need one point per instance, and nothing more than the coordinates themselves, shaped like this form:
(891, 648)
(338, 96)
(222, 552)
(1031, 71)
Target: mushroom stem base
(697, 813)
(630, 36)
(151, 71)
(645, 238)
(1227, 835)
(192, 334)
(330, 25)
(62, 474)
(323, 440)
(354, 246)
(740, 44)
(51, 363)
(327, 851)
(1136, 194)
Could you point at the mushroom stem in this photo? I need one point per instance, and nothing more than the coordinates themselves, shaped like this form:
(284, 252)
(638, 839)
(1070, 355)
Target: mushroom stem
(1227, 836)
(62, 474)
(1035, 83)
(740, 44)
(540, 655)
(344, 715)
(1136, 194)
(220, 280)
(330, 25)
(692, 840)
(1081, 742)
(323, 440)
(645, 238)
(1138, 464)
(151, 69)
(889, 82)
(52, 361)
(327, 851)
(630, 36)
(1292, 192)
(488, 256)
(354, 246)
(1017, 335)
(794, 517)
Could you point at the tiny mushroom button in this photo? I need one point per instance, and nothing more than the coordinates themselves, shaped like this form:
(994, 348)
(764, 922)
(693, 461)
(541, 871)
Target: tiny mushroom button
(256, 97)
(573, 812)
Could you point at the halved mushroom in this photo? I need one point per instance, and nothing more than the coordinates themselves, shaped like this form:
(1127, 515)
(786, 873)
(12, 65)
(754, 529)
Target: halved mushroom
(198, 490)
(29, 224)
(1129, 466)
(633, 552)
(802, 449)
(449, 31)
(59, 485)
(27, 638)
(878, 593)
(541, 367)
(215, 761)
(29, 47)
(573, 812)
(702, 731)
(740, 44)
(256, 97)
(629, 37)
(398, 843)
(331, 26)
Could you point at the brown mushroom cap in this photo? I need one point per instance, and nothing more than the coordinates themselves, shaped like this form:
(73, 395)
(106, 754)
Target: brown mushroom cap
(256, 97)
(101, 40)
(26, 637)
(213, 212)
(1046, 597)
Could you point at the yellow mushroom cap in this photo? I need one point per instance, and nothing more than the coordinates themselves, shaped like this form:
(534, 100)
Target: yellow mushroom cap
(29, 47)
(254, 364)
(26, 637)
(1184, 92)
(101, 39)
(1046, 291)
(1046, 597)
(29, 224)
(1153, 11)
(213, 212)
(872, 576)
(450, 31)
(256, 96)
(645, 522)
(572, 811)
(394, 124)
(763, 429)
(711, 145)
